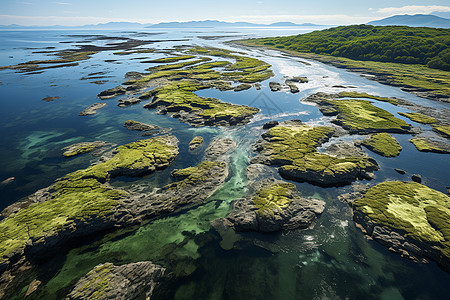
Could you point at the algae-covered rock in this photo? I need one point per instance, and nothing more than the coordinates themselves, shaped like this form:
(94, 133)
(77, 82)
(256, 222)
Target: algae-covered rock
(410, 218)
(81, 202)
(195, 143)
(218, 148)
(178, 100)
(358, 116)
(293, 147)
(442, 130)
(274, 206)
(242, 87)
(138, 126)
(107, 281)
(383, 144)
(430, 145)
(419, 118)
(80, 148)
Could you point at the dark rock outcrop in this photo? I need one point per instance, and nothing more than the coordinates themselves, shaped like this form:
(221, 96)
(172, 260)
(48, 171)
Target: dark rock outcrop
(275, 86)
(128, 101)
(111, 93)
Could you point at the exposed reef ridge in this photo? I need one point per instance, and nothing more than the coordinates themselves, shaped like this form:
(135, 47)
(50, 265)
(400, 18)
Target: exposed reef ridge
(274, 206)
(409, 218)
(383, 144)
(107, 281)
(292, 146)
(358, 116)
(81, 148)
(171, 87)
(82, 203)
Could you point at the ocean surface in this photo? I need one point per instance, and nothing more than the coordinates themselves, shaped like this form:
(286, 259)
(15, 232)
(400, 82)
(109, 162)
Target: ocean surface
(331, 260)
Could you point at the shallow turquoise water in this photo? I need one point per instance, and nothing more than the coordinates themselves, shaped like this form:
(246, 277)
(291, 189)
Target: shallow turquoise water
(331, 260)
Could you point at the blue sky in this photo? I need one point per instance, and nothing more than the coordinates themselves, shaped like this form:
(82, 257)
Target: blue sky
(332, 12)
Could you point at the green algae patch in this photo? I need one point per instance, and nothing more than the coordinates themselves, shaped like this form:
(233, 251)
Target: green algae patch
(411, 208)
(383, 144)
(134, 159)
(179, 65)
(99, 281)
(170, 59)
(392, 101)
(82, 196)
(194, 176)
(294, 149)
(419, 118)
(361, 116)
(274, 197)
(428, 145)
(81, 148)
(195, 142)
(443, 130)
(178, 96)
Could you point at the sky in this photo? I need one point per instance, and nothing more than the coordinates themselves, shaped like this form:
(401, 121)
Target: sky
(324, 12)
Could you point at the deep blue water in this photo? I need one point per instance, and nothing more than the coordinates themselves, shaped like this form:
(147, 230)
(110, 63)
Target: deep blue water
(332, 260)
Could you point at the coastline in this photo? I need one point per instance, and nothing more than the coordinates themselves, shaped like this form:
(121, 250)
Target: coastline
(377, 71)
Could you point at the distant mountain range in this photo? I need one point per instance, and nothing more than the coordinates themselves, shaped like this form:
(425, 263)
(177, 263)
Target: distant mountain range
(215, 23)
(414, 21)
(190, 24)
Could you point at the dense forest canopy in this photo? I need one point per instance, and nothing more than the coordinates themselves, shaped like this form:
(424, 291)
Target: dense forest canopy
(399, 44)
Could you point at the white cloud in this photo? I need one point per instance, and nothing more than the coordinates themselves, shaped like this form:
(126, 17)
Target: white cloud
(63, 3)
(317, 19)
(414, 9)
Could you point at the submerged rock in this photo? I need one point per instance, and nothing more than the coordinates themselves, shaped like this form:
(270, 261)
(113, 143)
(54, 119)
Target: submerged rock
(50, 99)
(92, 109)
(400, 171)
(409, 218)
(129, 281)
(128, 101)
(219, 147)
(274, 206)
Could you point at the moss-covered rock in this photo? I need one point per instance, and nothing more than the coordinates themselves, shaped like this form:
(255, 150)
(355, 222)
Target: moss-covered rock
(293, 147)
(419, 118)
(178, 99)
(442, 130)
(429, 145)
(195, 142)
(408, 217)
(80, 199)
(358, 116)
(383, 144)
(356, 95)
(81, 148)
(274, 206)
(129, 281)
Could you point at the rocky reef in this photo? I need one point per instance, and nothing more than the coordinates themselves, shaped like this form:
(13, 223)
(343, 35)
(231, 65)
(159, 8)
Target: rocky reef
(419, 118)
(107, 281)
(176, 84)
(292, 146)
(274, 206)
(383, 144)
(195, 143)
(358, 116)
(81, 148)
(92, 109)
(409, 218)
(430, 145)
